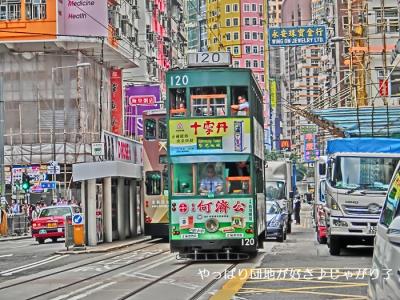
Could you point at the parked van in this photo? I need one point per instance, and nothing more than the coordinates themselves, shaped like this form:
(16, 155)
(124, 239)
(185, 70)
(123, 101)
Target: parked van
(385, 280)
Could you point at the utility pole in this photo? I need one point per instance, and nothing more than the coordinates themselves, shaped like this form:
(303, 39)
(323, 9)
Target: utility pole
(2, 179)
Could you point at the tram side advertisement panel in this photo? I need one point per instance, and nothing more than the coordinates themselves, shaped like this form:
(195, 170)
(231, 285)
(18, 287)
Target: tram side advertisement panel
(209, 136)
(212, 219)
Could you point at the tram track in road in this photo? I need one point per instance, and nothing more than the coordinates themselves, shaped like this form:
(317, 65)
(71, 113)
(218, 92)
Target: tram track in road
(167, 278)
(91, 262)
(209, 285)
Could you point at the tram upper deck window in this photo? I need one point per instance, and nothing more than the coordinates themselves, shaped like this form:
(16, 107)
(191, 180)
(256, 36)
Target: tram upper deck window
(240, 101)
(177, 102)
(208, 101)
(150, 129)
(162, 129)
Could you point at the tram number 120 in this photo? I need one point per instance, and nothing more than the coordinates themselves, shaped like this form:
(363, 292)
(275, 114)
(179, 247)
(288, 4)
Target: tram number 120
(248, 242)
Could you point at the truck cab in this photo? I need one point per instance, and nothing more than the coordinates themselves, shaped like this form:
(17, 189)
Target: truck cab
(359, 171)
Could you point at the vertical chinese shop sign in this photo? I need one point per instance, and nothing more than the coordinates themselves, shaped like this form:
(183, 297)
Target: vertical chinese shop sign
(116, 101)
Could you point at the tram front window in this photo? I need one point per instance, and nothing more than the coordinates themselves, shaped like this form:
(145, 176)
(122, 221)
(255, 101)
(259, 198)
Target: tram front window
(212, 178)
(211, 181)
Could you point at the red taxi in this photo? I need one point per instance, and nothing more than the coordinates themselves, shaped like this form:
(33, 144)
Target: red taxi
(51, 222)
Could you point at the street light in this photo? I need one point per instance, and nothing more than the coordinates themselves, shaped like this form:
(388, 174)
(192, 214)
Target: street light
(53, 69)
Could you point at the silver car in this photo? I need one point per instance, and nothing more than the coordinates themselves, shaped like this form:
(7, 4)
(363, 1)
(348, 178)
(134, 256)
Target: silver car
(384, 282)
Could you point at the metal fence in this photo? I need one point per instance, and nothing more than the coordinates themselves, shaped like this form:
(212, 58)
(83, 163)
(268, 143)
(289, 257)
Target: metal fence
(18, 224)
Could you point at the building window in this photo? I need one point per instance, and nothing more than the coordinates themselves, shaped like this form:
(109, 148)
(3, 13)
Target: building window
(35, 9)
(254, 21)
(261, 49)
(247, 49)
(236, 64)
(255, 63)
(228, 49)
(246, 35)
(248, 63)
(255, 49)
(261, 36)
(255, 35)
(261, 64)
(254, 7)
(228, 36)
(247, 21)
(388, 20)
(235, 22)
(235, 36)
(228, 8)
(262, 78)
(215, 40)
(236, 50)
(235, 7)
(260, 9)
(228, 22)
(246, 7)
(10, 9)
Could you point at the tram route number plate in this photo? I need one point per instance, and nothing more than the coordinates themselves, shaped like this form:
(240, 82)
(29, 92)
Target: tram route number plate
(248, 242)
(209, 59)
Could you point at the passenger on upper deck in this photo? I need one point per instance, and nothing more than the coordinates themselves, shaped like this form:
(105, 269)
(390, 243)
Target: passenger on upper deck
(241, 109)
(211, 183)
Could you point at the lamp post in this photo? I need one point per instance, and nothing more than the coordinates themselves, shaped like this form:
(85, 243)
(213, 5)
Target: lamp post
(53, 133)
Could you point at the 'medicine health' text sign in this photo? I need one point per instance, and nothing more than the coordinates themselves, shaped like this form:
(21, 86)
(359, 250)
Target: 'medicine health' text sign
(297, 35)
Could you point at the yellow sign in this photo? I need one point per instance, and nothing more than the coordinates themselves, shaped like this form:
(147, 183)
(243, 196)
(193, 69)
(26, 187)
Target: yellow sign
(209, 136)
(273, 94)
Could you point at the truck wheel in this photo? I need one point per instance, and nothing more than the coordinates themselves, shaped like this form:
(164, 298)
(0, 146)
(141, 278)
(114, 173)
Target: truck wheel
(40, 241)
(334, 246)
(281, 238)
(289, 226)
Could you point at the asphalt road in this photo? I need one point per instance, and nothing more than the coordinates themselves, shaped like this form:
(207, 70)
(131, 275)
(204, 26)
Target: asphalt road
(300, 268)
(24, 257)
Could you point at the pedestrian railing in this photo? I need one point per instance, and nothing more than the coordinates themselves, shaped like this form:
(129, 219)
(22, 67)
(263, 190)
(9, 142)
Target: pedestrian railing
(18, 224)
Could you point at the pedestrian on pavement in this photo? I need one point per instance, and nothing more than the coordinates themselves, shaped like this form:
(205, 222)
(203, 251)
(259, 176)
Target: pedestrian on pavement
(3, 222)
(297, 207)
(16, 209)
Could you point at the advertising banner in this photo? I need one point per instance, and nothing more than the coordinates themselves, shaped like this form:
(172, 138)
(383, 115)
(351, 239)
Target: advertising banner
(297, 35)
(83, 17)
(209, 136)
(285, 145)
(273, 93)
(139, 99)
(212, 219)
(116, 101)
(311, 153)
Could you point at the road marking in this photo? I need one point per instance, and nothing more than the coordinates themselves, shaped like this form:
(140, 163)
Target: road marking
(6, 255)
(32, 265)
(232, 286)
(85, 288)
(93, 291)
(258, 290)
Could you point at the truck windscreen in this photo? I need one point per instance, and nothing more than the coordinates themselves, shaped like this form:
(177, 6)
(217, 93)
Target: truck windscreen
(275, 190)
(366, 173)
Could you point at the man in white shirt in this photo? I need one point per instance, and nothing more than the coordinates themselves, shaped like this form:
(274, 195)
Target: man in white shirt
(242, 109)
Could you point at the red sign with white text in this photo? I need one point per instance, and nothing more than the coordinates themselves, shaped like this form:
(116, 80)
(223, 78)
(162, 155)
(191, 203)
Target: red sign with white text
(116, 101)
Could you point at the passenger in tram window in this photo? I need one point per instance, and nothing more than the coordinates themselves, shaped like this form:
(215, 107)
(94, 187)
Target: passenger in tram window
(241, 109)
(211, 183)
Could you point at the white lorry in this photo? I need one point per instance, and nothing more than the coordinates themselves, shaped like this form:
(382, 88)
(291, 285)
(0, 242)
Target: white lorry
(359, 171)
(280, 185)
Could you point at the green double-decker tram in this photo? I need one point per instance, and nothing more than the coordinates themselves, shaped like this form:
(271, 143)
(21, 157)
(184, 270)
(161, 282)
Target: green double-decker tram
(215, 157)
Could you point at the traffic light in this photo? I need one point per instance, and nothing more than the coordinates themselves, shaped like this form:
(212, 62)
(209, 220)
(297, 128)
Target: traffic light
(26, 182)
